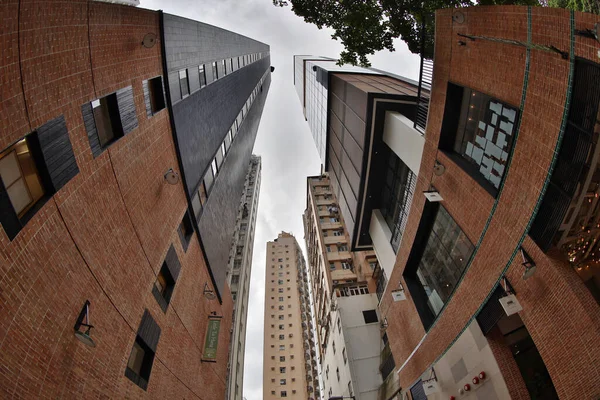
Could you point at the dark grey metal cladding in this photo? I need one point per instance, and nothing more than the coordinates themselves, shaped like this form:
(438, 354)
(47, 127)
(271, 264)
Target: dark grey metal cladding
(127, 109)
(203, 119)
(149, 331)
(217, 222)
(90, 128)
(147, 101)
(173, 263)
(189, 44)
(57, 152)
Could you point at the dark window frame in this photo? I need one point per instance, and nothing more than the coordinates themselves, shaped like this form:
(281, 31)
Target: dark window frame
(202, 75)
(184, 83)
(107, 104)
(370, 316)
(186, 230)
(425, 232)
(156, 94)
(455, 129)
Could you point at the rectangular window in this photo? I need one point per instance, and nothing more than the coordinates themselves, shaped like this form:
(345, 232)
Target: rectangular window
(202, 74)
(107, 119)
(165, 281)
(342, 247)
(282, 382)
(224, 67)
(332, 266)
(156, 94)
(479, 130)
(283, 393)
(281, 327)
(235, 279)
(282, 370)
(281, 317)
(370, 316)
(215, 71)
(20, 177)
(344, 355)
(436, 265)
(164, 286)
(281, 358)
(184, 84)
(141, 358)
(186, 230)
(280, 298)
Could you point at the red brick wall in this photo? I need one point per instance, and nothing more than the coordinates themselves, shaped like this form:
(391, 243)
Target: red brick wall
(104, 235)
(554, 300)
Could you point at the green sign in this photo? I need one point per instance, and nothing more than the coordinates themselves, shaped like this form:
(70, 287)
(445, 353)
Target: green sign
(212, 340)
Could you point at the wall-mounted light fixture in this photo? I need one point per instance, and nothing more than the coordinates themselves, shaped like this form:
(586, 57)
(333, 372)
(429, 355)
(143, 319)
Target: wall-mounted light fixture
(149, 40)
(84, 337)
(438, 168)
(209, 293)
(172, 177)
(528, 263)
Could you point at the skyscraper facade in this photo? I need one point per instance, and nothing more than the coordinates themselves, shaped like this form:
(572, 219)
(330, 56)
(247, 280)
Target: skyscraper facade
(238, 276)
(289, 358)
(345, 299)
(107, 288)
(217, 86)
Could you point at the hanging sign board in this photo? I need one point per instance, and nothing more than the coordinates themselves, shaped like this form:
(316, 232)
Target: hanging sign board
(433, 196)
(211, 341)
(510, 304)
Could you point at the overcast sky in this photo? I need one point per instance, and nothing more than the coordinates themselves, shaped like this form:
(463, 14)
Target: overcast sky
(284, 140)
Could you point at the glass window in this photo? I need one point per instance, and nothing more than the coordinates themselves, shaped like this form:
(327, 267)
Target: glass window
(202, 73)
(183, 83)
(157, 98)
(107, 119)
(215, 71)
(444, 259)
(224, 63)
(20, 177)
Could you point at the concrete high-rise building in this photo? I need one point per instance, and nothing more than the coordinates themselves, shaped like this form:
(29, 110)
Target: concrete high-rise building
(480, 198)
(110, 289)
(345, 299)
(238, 276)
(289, 357)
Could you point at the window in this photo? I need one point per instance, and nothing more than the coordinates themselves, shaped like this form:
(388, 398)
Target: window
(435, 267)
(342, 247)
(273, 392)
(282, 347)
(333, 346)
(327, 372)
(155, 94)
(185, 230)
(281, 337)
(344, 355)
(237, 264)
(107, 119)
(479, 130)
(281, 358)
(235, 279)
(370, 316)
(337, 372)
(19, 173)
(184, 85)
(139, 364)
(281, 317)
(164, 286)
(338, 233)
(281, 307)
(283, 393)
(224, 67)
(215, 71)
(280, 290)
(346, 265)
(280, 281)
(282, 370)
(339, 325)
(328, 248)
(280, 298)
(282, 382)
(202, 74)
(281, 327)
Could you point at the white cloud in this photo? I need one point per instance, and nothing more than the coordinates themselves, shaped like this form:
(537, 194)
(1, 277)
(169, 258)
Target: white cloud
(284, 140)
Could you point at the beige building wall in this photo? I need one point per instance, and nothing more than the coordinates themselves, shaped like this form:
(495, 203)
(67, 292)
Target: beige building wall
(289, 368)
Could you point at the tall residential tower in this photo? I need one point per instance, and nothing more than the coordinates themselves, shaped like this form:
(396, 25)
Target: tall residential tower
(238, 276)
(345, 297)
(289, 361)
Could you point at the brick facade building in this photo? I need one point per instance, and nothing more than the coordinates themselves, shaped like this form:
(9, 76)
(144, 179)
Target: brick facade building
(524, 82)
(89, 216)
